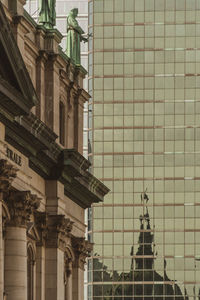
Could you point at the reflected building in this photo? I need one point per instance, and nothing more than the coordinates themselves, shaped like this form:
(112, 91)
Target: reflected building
(144, 133)
(142, 281)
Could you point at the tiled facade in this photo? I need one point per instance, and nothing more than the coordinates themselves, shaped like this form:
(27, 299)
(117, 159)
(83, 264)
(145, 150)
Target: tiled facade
(144, 130)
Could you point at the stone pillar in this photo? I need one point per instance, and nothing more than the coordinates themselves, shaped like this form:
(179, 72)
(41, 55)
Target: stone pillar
(77, 120)
(70, 120)
(57, 235)
(16, 6)
(7, 173)
(52, 40)
(41, 225)
(68, 278)
(40, 85)
(82, 249)
(21, 205)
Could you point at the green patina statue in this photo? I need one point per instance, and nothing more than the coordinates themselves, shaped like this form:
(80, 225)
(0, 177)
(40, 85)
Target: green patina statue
(47, 13)
(74, 37)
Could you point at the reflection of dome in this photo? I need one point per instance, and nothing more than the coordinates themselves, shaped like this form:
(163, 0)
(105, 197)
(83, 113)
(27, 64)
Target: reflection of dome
(143, 274)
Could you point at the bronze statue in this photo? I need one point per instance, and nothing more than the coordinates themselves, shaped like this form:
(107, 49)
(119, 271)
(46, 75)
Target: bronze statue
(47, 13)
(74, 37)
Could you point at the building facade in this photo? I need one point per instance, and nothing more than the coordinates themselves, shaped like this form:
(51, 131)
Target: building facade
(145, 145)
(45, 185)
(62, 10)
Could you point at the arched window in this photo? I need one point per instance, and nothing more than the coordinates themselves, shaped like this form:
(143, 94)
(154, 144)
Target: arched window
(30, 273)
(62, 123)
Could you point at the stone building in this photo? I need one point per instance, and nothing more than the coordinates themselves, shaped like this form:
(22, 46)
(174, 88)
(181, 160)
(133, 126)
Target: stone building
(45, 184)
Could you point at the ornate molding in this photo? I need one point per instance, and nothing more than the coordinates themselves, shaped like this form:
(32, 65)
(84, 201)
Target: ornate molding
(21, 205)
(82, 249)
(58, 231)
(7, 174)
(41, 225)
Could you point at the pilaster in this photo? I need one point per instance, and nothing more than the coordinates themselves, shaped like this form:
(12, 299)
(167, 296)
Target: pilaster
(21, 205)
(16, 6)
(58, 237)
(78, 122)
(41, 225)
(82, 249)
(68, 277)
(52, 85)
(7, 174)
(40, 85)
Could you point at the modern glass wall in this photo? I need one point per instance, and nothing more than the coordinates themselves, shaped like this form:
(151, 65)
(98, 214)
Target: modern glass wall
(144, 142)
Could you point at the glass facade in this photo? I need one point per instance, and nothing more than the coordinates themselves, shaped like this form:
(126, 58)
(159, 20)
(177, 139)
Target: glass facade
(144, 143)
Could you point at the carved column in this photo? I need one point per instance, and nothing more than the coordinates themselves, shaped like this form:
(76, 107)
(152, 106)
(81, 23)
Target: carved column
(41, 225)
(68, 277)
(70, 117)
(57, 236)
(78, 122)
(40, 85)
(21, 205)
(52, 86)
(7, 174)
(82, 249)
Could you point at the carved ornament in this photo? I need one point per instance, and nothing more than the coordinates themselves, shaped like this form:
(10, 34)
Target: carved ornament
(58, 231)
(82, 249)
(21, 205)
(41, 225)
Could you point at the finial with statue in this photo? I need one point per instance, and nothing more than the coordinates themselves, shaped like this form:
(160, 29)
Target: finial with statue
(75, 35)
(47, 13)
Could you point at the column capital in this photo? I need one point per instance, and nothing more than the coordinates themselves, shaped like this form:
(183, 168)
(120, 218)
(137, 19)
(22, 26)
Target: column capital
(7, 174)
(21, 205)
(82, 249)
(58, 230)
(41, 225)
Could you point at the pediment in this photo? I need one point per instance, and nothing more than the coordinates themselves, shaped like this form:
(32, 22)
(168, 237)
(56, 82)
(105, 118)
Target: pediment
(17, 94)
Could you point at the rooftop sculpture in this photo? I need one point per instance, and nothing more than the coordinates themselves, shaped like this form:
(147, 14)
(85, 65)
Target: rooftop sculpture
(75, 35)
(47, 13)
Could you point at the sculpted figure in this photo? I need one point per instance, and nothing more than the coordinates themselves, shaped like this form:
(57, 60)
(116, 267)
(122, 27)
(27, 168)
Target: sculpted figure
(47, 13)
(74, 37)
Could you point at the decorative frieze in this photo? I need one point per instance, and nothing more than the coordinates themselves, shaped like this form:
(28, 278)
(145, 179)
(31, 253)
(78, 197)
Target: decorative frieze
(7, 174)
(82, 249)
(58, 231)
(21, 205)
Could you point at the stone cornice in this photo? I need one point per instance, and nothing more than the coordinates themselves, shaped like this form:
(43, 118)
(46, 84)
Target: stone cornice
(50, 161)
(7, 174)
(21, 205)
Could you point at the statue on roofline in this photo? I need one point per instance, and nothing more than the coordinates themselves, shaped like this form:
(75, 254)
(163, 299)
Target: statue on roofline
(75, 35)
(47, 13)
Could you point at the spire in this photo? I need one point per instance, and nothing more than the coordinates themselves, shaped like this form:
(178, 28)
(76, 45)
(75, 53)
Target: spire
(146, 238)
